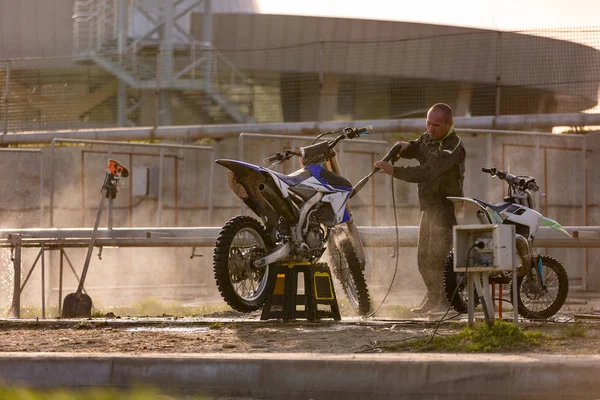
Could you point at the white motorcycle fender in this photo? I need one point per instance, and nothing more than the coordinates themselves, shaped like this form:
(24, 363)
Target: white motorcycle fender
(554, 225)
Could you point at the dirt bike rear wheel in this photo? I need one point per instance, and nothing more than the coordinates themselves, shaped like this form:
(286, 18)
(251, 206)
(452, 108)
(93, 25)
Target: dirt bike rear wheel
(455, 287)
(347, 268)
(542, 305)
(242, 240)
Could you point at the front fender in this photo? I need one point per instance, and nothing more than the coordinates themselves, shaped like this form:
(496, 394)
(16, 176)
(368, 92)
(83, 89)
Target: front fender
(554, 225)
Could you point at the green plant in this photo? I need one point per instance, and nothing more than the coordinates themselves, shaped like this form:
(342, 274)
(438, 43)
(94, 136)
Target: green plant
(215, 325)
(481, 338)
(84, 325)
(85, 394)
(98, 314)
(576, 330)
(35, 312)
(149, 307)
(154, 307)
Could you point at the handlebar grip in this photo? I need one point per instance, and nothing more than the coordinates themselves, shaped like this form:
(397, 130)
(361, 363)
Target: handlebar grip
(352, 133)
(364, 129)
(532, 186)
(486, 170)
(276, 157)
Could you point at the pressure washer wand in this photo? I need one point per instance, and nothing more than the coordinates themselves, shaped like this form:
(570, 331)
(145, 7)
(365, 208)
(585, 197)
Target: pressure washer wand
(393, 155)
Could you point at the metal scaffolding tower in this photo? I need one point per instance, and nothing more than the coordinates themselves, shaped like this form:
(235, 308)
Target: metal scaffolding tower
(145, 46)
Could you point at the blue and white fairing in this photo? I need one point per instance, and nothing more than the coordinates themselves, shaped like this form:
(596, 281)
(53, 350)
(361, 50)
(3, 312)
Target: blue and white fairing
(335, 188)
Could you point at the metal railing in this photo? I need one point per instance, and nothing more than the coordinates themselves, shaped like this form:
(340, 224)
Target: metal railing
(59, 239)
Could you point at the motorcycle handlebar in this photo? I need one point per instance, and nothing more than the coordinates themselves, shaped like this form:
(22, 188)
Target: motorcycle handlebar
(321, 149)
(521, 182)
(364, 130)
(531, 185)
(275, 157)
(281, 156)
(352, 133)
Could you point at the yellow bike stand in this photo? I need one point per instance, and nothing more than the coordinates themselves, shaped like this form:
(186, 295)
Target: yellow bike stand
(316, 302)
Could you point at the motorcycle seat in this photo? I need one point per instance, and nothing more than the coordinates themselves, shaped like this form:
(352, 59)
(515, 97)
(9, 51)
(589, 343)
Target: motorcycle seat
(295, 177)
(497, 207)
(327, 176)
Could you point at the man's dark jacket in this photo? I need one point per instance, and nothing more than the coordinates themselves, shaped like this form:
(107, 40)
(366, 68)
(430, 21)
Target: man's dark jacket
(441, 170)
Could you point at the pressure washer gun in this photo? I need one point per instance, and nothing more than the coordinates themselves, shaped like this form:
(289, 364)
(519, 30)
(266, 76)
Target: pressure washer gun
(393, 155)
(114, 173)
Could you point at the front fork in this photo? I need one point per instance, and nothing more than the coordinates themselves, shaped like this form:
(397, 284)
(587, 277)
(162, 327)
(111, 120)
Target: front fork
(535, 272)
(539, 268)
(528, 256)
(352, 229)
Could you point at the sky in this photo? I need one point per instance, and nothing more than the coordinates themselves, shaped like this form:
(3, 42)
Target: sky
(503, 15)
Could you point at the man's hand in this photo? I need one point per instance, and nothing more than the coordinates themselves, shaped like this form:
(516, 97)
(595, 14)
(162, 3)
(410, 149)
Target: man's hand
(404, 146)
(384, 167)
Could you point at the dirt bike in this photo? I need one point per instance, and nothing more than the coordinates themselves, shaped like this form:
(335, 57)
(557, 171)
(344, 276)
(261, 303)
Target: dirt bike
(302, 215)
(542, 282)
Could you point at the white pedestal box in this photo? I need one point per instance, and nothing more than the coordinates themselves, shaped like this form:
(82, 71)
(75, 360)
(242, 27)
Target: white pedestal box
(481, 250)
(484, 248)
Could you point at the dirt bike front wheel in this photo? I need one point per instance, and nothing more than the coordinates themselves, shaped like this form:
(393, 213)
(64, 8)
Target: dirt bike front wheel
(347, 268)
(536, 302)
(242, 240)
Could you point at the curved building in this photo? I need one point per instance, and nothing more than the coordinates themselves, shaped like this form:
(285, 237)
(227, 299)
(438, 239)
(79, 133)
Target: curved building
(146, 62)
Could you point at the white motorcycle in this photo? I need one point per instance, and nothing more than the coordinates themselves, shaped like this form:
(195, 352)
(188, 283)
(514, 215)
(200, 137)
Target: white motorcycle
(542, 282)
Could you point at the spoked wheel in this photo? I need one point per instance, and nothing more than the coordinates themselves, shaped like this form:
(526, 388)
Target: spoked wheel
(241, 241)
(455, 287)
(535, 302)
(348, 270)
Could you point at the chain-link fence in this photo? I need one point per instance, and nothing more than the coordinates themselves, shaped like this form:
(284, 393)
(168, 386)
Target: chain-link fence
(479, 73)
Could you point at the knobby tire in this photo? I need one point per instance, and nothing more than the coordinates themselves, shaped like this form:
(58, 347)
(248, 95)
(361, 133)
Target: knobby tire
(221, 265)
(349, 271)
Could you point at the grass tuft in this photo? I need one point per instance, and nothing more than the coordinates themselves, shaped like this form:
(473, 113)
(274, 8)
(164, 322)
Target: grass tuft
(576, 330)
(149, 307)
(481, 338)
(16, 393)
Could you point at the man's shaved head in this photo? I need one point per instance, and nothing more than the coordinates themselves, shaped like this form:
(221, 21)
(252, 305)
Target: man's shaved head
(445, 110)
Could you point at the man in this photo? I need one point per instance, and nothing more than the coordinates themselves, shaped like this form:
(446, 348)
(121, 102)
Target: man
(440, 173)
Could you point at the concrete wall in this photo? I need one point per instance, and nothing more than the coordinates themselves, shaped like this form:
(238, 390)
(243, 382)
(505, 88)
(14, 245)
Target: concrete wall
(125, 275)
